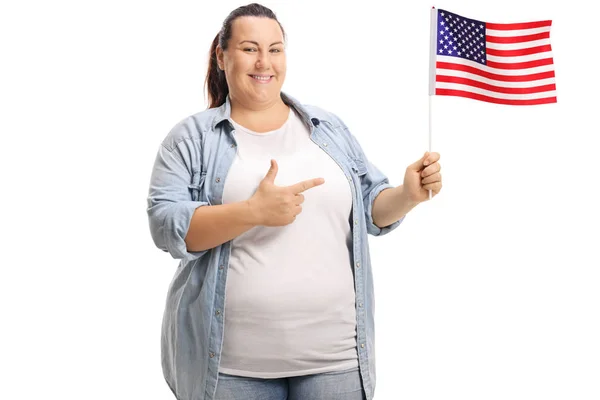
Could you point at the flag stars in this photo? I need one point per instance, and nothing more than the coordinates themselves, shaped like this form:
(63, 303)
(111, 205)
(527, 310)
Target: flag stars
(461, 37)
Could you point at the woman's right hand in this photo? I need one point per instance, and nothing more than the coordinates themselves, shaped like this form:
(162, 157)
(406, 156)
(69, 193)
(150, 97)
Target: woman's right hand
(278, 205)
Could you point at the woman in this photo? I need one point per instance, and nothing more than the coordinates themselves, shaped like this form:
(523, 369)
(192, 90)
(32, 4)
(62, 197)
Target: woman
(268, 203)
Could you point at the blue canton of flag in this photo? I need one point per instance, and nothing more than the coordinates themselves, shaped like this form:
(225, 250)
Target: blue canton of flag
(461, 37)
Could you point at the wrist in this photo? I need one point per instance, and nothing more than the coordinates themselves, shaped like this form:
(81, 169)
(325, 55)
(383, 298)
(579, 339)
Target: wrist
(253, 212)
(405, 198)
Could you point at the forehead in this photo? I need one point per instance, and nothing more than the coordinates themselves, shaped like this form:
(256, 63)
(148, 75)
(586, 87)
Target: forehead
(260, 29)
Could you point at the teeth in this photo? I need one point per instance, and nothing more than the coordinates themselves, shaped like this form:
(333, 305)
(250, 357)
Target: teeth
(262, 78)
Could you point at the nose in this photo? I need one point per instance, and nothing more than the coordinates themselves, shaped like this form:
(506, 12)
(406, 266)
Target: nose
(262, 60)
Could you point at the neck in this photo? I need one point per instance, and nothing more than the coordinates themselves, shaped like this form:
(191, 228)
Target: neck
(259, 117)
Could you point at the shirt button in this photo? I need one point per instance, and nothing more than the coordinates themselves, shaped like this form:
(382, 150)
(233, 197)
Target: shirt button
(220, 267)
(362, 345)
(325, 144)
(350, 179)
(232, 144)
(218, 312)
(355, 222)
(211, 355)
(218, 180)
(360, 305)
(357, 265)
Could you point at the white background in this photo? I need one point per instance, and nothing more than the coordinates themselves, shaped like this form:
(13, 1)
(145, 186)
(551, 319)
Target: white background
(489, 291)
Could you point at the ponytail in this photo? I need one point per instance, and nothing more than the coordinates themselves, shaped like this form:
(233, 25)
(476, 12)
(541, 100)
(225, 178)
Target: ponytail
(215, 78)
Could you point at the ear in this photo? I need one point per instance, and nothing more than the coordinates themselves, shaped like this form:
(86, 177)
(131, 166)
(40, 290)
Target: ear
(219, 51)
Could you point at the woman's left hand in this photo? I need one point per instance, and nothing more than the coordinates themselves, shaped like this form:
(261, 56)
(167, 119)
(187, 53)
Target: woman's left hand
(422, 176)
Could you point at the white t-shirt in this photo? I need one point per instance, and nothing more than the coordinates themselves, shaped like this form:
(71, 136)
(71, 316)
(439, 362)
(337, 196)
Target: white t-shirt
(289, 298)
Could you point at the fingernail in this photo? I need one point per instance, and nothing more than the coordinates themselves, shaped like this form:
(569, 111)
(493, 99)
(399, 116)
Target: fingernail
(426, 162)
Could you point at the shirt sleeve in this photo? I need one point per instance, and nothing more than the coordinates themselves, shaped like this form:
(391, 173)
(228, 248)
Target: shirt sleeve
(373, 182)
(171, 204)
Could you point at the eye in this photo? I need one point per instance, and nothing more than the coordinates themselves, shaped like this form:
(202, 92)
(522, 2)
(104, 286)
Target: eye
(276, 50)
(249, 48)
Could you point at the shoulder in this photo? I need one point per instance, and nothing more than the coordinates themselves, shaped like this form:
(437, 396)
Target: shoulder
(191, 129)
(328, 117)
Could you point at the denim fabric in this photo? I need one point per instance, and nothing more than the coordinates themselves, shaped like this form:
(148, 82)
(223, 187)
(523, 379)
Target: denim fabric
(339, 385)
(189, 171)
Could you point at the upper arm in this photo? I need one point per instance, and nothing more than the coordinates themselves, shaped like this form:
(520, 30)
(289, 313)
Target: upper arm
(372, 181)
(173, 198)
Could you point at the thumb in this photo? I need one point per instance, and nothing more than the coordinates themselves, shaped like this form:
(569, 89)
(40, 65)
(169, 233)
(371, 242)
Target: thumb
(417, 166)
(272, 173)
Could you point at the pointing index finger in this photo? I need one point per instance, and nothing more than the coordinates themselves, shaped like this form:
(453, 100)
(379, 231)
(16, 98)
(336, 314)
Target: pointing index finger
(305, 185)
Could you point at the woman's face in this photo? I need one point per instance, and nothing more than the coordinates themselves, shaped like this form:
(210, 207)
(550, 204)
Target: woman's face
(254, 62)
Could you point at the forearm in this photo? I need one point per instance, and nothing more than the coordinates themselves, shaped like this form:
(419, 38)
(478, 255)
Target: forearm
(212, 226)
(391, 205)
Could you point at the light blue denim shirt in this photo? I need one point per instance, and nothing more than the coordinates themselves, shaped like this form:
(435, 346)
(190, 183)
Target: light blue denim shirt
(190, 170)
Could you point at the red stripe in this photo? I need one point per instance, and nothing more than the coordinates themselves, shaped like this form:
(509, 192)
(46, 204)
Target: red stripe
(517, 39)
(521, 65)
(496, 77)
(519, 52)
(476, 96)
(493, 88)
(518, 25)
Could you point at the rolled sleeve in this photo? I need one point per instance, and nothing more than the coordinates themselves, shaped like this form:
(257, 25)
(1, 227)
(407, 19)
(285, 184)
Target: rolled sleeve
(371, 227)
(171, 205)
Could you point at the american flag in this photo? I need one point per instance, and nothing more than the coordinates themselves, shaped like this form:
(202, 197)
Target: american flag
(498, 63)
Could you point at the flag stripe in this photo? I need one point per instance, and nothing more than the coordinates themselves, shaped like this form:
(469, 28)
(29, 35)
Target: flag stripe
(467, 75)
(515, 32)
(518, 52)
(522, 65)
(517, 39)
(476, 96)
(494, 88)
(499, 75)
(496, 95)
(516, 46)
(518, 25)
(520, 59)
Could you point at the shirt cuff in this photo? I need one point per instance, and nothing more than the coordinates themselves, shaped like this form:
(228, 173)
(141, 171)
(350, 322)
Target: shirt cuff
(371, 227)
(176, 228)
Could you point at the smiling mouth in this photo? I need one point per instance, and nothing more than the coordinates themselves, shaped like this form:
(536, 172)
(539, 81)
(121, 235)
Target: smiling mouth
(261, 79)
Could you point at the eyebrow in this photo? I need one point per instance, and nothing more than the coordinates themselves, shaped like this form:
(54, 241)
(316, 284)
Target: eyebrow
(256, 43)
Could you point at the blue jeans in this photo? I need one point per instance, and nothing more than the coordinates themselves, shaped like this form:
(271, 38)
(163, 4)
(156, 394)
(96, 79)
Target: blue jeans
(338, 385)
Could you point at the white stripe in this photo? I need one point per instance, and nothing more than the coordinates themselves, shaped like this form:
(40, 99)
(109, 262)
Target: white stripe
(518, 59)
(517, 32)
(467, 88)
(461, 74)
(511, 72)
(516, 46)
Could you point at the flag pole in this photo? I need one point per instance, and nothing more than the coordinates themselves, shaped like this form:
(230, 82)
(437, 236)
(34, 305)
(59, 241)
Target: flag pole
(432, 55)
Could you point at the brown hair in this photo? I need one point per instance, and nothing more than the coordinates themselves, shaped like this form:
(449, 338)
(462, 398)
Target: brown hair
(215, 78)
